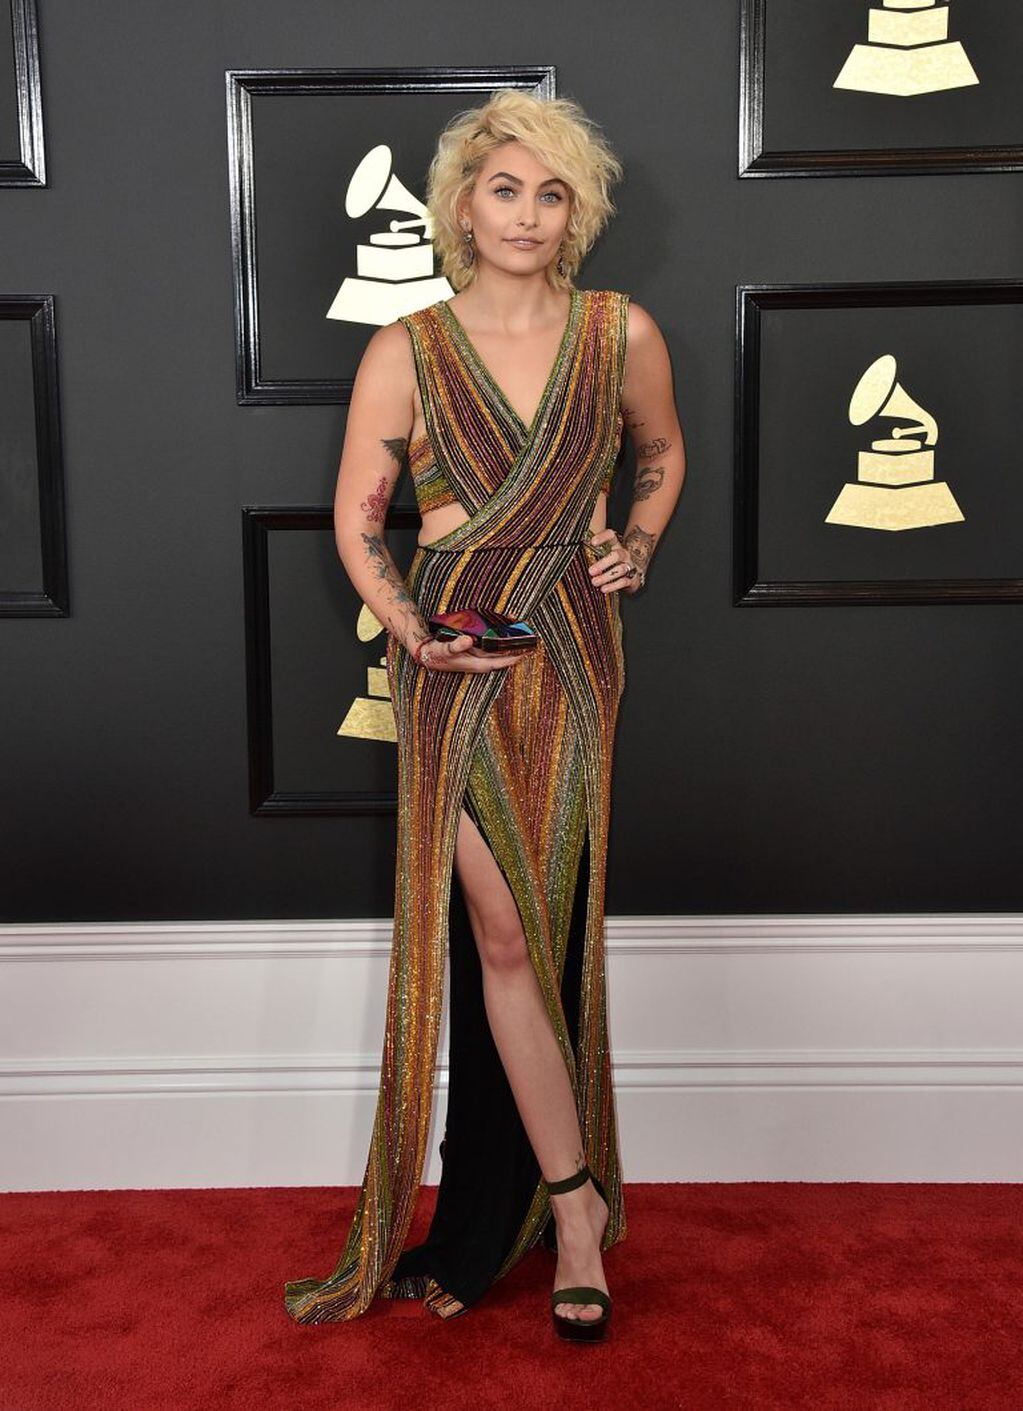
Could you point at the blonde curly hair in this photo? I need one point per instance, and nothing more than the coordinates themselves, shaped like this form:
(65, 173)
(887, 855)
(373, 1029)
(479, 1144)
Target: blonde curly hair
(559, 134)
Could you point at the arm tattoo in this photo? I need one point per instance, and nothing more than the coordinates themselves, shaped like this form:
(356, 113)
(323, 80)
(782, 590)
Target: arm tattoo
(396, 446)
(631, 418)
(375, 505)
(640, 545)
(402, 612)
(649, 449)
(648, 481)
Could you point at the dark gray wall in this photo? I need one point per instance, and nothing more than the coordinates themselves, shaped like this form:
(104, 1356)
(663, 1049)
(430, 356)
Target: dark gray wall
(847, 758)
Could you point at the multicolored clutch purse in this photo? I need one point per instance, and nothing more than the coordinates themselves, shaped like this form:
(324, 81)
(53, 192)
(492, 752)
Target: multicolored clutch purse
(492, 631)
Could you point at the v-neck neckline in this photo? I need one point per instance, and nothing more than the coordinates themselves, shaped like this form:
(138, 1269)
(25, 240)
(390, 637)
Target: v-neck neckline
(484, 373)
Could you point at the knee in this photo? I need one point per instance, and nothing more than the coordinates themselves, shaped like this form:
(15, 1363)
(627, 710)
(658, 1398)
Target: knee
(502, 946)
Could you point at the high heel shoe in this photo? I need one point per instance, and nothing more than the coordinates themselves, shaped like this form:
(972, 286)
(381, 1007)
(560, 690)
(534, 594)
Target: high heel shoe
(579, 1329)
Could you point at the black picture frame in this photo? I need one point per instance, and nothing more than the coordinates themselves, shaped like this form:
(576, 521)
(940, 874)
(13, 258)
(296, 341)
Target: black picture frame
(755, 161)
(51, 599)
(28, 166)
(751, 300)
(265, 799)
(242, 85)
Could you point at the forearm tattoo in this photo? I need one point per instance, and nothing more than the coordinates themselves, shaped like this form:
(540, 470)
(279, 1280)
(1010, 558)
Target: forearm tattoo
(403, 618)
(648, 480)
(640, 545)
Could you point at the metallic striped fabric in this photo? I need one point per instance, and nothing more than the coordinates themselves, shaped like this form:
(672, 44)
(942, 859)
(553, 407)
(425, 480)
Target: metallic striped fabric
(529, 747)
(430, 483)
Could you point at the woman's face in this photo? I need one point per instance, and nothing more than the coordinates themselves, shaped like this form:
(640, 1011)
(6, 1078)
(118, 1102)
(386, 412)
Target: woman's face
(516, 198)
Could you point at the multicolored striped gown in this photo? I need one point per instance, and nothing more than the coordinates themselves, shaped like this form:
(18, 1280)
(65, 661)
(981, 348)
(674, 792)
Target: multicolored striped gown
(527, 751)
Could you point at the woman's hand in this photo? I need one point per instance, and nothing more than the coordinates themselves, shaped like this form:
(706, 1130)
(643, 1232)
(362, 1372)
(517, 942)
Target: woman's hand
(614, 571)
(459, 654)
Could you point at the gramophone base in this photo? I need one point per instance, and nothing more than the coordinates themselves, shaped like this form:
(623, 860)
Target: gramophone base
(903, 73)
(376, 301)
(369, 719)
(899, 507)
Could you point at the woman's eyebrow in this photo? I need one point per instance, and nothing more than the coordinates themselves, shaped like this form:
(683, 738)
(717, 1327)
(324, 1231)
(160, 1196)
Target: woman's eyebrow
(519, 179)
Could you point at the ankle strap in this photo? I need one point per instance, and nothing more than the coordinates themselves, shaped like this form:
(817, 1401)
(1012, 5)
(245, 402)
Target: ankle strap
(569, 1183)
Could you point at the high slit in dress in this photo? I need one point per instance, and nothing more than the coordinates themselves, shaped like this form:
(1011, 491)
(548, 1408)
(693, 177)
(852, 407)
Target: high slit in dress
(527, 751)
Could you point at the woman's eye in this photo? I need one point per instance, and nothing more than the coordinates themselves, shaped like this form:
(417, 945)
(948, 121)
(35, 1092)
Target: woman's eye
(499, 189)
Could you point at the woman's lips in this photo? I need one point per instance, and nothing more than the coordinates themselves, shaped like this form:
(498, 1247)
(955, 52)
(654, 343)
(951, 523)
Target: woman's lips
(525, 244)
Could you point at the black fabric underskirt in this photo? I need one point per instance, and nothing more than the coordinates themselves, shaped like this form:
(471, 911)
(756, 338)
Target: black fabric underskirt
(488, 1170)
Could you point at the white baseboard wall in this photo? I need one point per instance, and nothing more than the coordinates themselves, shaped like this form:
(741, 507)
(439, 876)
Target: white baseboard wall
(767, 1048)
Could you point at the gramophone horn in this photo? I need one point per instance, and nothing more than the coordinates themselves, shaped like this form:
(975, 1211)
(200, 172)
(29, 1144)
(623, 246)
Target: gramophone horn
(878, 394)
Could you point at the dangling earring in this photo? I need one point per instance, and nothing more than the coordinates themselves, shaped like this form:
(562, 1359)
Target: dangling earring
(468, 251)
(561, 261)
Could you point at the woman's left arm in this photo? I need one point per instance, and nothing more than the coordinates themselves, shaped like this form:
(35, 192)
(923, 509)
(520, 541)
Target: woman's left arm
(648, 407)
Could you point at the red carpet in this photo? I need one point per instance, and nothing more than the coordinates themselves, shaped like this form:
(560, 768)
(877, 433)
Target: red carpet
(753, 1295)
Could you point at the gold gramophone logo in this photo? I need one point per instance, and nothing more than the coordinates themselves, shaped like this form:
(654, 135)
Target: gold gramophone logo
(394, 268)
(908, 51)
(371, 717)
(895, 486)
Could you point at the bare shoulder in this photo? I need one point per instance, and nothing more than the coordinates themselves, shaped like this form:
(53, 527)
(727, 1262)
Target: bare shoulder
(647, 383)
(390, 345)
(388, 359)
(643, 331)
(383, 393)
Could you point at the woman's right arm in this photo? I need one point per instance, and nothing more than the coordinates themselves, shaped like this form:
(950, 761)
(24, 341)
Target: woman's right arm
(380, 419)
(376, 437)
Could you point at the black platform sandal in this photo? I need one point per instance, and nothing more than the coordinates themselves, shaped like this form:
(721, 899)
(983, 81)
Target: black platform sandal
(579, 1329)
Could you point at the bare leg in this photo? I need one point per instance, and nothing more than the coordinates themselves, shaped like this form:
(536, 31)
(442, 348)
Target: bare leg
(533, 1062)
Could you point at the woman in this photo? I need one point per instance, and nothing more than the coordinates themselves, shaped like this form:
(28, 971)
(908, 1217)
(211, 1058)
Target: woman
(510, 400)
